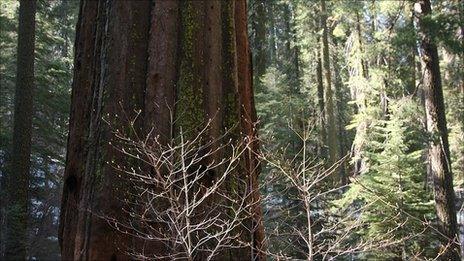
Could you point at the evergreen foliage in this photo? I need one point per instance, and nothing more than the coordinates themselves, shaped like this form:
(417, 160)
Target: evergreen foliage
(53, 75)
(393, 192)
(376, 204)
(380, 111)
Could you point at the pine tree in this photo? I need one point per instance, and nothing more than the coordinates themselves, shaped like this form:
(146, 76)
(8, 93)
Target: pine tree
(391, 192)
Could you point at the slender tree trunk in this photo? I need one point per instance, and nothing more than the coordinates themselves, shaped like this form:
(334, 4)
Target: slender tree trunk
(182, 61)
(320, 100)
(290, 51)
(340, 119)
(419, 92)
(19, 174)
(412, 89)
(361, 71)
(365, 68)
(332, 141)
(439, 153)
(260, 58)
(294, 50)
(272, 34)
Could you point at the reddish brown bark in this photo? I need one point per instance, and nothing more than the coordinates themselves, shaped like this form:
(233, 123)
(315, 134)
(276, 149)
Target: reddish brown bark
(248, 116)
(74, 175)
(173, 60)
(109, 81)
(213, 70)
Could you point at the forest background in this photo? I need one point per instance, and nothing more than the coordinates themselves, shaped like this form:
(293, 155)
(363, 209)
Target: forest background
(337, 84)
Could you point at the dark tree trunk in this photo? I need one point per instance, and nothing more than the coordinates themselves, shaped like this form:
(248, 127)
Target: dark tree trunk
(419, 92)
(320, 101)
(439, 153)
(365, 69)
(340, 119)
(109, 81)
(189, 60)
(270, 8)
(412, 88)
(291, 52)
(332, 141)
(19, 174)
(260, 58)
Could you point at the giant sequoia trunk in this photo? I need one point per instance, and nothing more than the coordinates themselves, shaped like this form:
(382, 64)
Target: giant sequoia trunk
(187, 59)
(439, 153)
(19, 176)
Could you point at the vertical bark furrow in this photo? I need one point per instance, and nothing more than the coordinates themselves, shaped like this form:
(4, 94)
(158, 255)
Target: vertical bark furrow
(109, 84)
(162, 74)
(164, 51)
(93, 157)
(230, 105)
(248, 119)
(188, 65)
(190, 113)
(213, 89)
(125, 65)
(78, 127)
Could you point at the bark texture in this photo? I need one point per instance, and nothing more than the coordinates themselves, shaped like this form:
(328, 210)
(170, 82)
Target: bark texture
(439, 153)
(19, 175)
(187, 61)
(109, 83)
